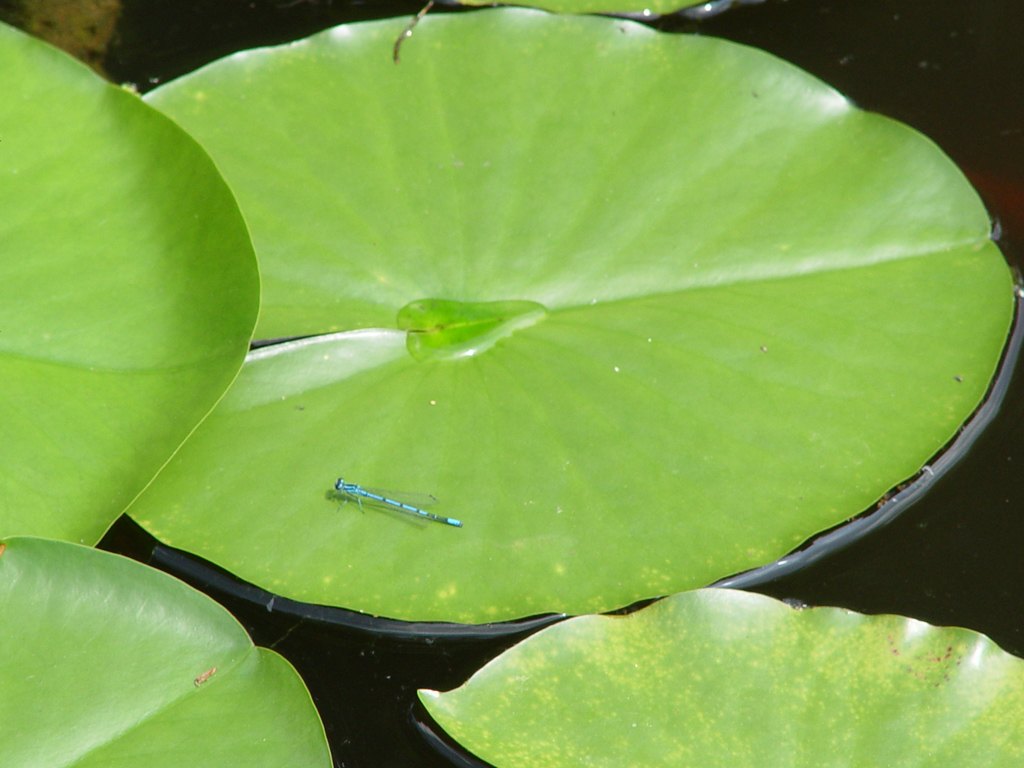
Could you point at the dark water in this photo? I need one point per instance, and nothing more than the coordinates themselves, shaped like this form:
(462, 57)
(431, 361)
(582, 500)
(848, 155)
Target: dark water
(952, 69)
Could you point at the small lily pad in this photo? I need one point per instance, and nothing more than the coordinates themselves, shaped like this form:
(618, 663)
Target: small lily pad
(437, 329)
(104, 661)
(641, 310)
(727, 679)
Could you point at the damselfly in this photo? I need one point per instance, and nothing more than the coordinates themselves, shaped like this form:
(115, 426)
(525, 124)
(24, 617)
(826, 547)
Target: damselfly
(392, 500)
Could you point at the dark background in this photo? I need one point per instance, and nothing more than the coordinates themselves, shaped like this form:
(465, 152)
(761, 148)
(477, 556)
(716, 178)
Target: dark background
(953, 69)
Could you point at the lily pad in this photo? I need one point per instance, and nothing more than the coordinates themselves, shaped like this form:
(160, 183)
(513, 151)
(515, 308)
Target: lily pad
(104, 661)
(732, 679)
(128, 292)
(642, 7)
(640, 310)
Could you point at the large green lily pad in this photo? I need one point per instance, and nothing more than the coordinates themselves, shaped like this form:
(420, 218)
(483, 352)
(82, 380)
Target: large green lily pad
(720, 678)
(128, 292)
(641, 310)
(106, 662)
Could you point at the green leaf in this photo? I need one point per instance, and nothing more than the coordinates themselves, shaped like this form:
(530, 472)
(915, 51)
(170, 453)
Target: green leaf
(731, 679)
(128, 292)
(106, 662)
(644, 7)
(732, 311)
(445, 330)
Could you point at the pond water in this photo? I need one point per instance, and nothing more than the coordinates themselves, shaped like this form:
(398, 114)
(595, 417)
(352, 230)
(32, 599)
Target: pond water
(953, 70)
